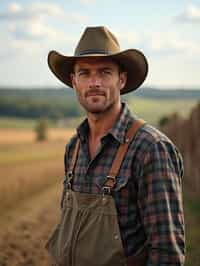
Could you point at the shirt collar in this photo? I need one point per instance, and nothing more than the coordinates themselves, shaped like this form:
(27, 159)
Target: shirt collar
(119, 129)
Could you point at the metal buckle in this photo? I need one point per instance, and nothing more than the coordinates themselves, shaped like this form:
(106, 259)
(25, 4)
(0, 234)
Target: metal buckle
(70, 175)
(67, 181)
(106, 190)
(112, 178)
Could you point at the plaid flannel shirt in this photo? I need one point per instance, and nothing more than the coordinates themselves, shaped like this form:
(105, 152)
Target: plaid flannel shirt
(148, 192)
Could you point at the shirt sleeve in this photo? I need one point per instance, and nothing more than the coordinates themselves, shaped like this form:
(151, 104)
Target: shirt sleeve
(160, 204)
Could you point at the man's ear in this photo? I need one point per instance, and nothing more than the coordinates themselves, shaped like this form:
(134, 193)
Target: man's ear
(122, 79)
(72, 76)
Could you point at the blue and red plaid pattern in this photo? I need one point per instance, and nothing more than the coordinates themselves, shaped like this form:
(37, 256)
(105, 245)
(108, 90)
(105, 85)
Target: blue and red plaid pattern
(148, 192)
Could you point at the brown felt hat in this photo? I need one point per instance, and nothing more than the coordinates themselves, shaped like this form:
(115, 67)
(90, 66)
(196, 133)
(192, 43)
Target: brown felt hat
(99, 41)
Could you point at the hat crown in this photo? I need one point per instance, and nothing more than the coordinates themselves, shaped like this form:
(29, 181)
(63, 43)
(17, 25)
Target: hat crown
(97, 40)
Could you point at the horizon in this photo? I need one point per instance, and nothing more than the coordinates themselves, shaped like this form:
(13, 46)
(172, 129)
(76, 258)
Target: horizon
(142, 88)
(167, 33)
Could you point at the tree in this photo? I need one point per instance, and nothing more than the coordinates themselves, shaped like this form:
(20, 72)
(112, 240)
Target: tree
(41, 129)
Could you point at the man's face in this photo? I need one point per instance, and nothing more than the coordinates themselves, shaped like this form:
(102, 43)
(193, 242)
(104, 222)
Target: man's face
(97, 82)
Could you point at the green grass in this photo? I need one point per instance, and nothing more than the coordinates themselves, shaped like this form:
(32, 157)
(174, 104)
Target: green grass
(15, 122)
(8, 122)
(194, 206)
(152, 110)
(192, 224)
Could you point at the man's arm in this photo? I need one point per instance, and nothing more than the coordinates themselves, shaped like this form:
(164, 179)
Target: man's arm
(160, 204)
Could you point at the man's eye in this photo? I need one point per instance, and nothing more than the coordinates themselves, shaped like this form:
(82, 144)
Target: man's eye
(107, 72)
(83, 73)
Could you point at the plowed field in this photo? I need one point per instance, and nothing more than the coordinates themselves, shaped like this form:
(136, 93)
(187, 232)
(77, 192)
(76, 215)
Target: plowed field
(25, 230)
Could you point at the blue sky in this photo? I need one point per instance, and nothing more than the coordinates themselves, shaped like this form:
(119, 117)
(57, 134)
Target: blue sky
(166, 31)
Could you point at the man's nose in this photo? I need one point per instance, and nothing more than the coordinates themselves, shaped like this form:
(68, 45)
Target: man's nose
(95, 80)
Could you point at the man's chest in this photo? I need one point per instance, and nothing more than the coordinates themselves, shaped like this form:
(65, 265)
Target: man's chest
(90, 174)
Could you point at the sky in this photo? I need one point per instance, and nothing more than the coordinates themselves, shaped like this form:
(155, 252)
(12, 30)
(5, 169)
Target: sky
(167, 32)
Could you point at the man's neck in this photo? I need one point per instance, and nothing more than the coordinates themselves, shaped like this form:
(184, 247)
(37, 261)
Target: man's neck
(100, 124)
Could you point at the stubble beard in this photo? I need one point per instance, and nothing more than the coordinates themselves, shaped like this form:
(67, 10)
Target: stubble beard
(97, 108)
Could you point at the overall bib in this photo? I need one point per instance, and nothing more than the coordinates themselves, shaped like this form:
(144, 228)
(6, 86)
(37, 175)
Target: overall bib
(88, 233)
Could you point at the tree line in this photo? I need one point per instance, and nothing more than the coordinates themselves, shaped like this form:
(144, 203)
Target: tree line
(33, 108)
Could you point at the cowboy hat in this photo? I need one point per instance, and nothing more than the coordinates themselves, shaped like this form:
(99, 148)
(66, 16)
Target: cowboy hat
(99, 41)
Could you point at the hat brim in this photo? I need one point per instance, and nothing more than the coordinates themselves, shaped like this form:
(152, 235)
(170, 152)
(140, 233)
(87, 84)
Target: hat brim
(132, 60)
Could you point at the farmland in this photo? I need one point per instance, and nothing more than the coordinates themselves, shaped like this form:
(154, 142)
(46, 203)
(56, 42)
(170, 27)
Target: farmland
(28, 166)
(152, 110)
(31, 175)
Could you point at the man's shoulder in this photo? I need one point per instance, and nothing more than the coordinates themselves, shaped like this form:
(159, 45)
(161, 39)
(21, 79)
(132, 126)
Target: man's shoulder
(71, 143)
(151, 134)
(150, 139)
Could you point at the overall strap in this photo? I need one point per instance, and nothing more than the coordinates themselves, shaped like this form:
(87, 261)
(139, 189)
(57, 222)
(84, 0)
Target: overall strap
(111, 178)
(110, 182)
(74, 159)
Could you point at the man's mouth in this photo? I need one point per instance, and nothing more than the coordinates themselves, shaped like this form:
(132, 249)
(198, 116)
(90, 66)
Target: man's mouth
(95, 93)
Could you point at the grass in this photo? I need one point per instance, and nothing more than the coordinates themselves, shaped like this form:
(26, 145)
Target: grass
(194, 206)
(8, 122)
(192, 221)
(153, 110)
(27, 167)
(10, 136)
(22, 123)
(20, 153)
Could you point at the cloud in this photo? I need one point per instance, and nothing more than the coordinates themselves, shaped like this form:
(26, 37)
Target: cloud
(39, 11)
(160, 44)
(87, 2)
(168, 44)
(14, 8)
(29, 28)
(190, 15)
(128, 37)
(28, 31)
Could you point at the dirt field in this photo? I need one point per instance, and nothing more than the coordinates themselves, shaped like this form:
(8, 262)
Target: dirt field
(31, 176)
(17, 135)
(25, 230)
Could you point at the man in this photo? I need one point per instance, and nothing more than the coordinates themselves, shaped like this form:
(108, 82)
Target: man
(122, 199)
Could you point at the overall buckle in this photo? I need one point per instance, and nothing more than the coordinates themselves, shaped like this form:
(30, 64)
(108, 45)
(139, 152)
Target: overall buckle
(106, 190)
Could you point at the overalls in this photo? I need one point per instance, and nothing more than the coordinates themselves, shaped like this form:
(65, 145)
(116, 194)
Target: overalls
(88, 233)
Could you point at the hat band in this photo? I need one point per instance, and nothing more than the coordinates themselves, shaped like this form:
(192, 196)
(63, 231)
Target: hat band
(86, 52)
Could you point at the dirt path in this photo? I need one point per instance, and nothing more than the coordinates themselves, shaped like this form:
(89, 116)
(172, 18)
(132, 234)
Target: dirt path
(24, 231)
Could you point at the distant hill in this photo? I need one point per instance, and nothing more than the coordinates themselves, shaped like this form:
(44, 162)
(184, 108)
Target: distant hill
(60, 103)
(168, 93)
(34, 103)
(60, 94)
(40, 94)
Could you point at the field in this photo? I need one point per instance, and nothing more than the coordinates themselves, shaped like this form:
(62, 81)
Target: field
(31, 175)
(152, 110)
